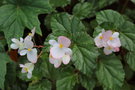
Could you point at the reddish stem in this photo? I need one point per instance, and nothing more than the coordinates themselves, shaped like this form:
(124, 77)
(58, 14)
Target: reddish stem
(40, 46)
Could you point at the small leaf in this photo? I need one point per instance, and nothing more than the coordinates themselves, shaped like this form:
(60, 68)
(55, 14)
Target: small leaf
(59, 3)
(3, 61)
(66, 83)
(110, 72)
(88, 83)
(130, 57)
(83, 10)
(41, 85)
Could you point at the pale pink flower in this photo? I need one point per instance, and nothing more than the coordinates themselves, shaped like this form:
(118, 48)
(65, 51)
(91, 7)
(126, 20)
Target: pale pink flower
(108, 50)
(57, 62)
(59, 48)
(114, 40)
(27, 68)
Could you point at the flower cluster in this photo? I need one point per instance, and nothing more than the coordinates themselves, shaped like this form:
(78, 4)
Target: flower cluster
(26, 47)
(60, 51)
(109, 40)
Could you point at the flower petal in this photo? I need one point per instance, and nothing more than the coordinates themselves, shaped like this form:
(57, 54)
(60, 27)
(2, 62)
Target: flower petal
(51, 59)
(66, 59)
(57, 63)
(116, 49)
(21, 39)
(68, 51)
(14, 46)
(29, 75)
(15, 40)
(64, 41)
(21, 65)
(107, 35)
(30, 66)
(52, 42)
(107, 51)
(23, 52)
(98, 42)
(28, 43)
(114, 43)
(23, 70)
(57, 52)
(32, 55)
(115, 35)
(33, 31)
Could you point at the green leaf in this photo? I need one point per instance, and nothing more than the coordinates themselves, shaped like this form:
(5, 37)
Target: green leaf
(21, 14)
(3, 61)
(110, 16)
(88, 83)
(110, 72)
(85, 53)
(67, 83)
(99, 4)
(59, 3)
(41, 85)
(83, 10)
(130, 57)
(66, 24)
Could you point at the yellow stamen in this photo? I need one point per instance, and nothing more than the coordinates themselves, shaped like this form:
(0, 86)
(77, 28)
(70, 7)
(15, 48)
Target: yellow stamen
(26, 69)
(29, 49)
(30, 34)
(60, 46)
(109, 48)
(111, 38)
(101, 37)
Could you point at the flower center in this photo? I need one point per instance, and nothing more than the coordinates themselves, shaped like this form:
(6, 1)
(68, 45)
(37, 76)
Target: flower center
(111, 38)
(61, 46)
(26, 69)
(29, 49)
(30, 34)
(109, 48)
(100, 37)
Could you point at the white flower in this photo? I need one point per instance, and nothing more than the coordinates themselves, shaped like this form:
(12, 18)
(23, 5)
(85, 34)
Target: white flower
(59, 52)
(17, 44)
(65, 59)
(114, 40)
(108, 50)
(59, 48)
(30, 35)
(100, 40)
(30, 51)
(27, 68)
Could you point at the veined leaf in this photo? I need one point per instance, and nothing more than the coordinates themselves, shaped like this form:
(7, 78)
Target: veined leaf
(21, 14)
(66, 83)
(59, 3)
(130, 57)
(83, 10)
(41, 85)
(3, 61)
(110, 72)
